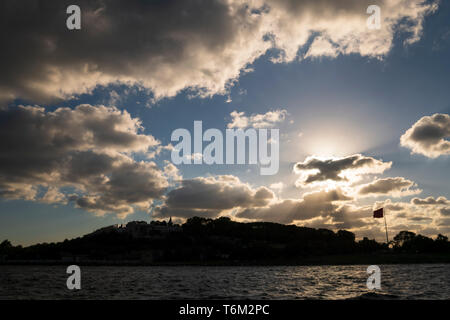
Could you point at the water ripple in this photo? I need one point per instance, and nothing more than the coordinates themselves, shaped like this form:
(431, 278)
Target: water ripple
(284, 282)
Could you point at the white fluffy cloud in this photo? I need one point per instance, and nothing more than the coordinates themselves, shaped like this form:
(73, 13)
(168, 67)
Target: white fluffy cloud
(204, 46)
(265, 120)
(429, 136)
(343, 24)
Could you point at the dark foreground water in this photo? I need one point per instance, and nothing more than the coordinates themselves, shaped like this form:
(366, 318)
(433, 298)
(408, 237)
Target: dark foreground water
(283, 282)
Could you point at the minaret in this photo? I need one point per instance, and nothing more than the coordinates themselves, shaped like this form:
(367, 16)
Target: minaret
(170, 222)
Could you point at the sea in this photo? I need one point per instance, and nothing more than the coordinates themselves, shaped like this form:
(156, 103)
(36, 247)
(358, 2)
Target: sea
(406, 281)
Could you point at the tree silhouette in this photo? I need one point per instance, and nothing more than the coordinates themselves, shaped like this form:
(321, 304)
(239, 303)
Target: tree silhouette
(203, 239)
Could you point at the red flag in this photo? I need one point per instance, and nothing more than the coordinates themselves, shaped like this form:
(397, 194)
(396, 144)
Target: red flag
(378, 213)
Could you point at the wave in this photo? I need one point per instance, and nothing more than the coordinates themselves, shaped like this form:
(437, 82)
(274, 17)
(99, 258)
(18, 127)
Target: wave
(375, 296)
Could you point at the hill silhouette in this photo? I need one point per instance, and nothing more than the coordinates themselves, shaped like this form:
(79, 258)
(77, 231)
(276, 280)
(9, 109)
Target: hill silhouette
(223, 241)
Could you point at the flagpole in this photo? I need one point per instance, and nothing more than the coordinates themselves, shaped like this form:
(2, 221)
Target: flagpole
(385, 224)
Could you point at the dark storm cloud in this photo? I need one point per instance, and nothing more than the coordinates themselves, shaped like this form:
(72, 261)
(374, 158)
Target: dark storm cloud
(86, 148)
(335, 169)
(429, 136)
(156, 42)
(211, 195)
(395, 187)
(168, 46)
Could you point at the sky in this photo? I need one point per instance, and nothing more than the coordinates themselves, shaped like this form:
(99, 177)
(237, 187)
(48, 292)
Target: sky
(86, 116)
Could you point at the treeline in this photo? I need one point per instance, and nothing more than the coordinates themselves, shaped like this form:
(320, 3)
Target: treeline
(222, 239)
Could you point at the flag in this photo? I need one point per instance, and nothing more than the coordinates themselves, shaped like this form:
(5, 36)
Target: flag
(378, 213)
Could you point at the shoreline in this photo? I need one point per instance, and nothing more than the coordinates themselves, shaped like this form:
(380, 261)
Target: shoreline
(306, 261)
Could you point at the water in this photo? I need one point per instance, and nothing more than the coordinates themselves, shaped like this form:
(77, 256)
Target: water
(281, 282)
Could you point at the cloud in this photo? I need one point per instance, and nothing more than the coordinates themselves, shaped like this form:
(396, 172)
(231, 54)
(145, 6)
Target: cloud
(321, 47)
(171, 171)
(130, 184)
(350, 216)
(156, 151)
(333, 209)
(53, 196)
(430, 201)
(326, 208)
(421, 219)
(165, 47)
(395, 207)
(315, 170)
(203, 46)
(17, 190)
(429, 136)
(209, 196)
(87, 149)
(425, 216)
(394, 187)
(314, 204)
(343, 25)
(389, 205)
(277, 186)
(265, 120)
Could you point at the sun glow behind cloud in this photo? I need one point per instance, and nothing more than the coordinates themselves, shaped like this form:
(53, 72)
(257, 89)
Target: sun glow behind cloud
(331, 130)
(334, 140)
